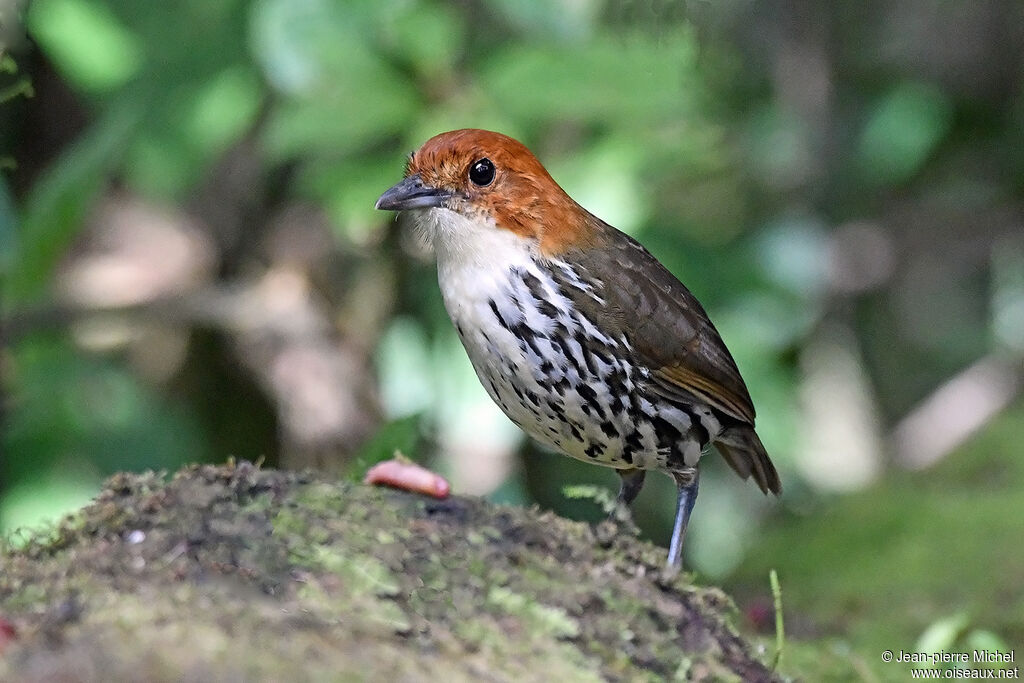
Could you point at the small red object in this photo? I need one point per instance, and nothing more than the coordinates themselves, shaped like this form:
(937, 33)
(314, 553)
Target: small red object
(8, 634)
(760, 615)
(408, 476)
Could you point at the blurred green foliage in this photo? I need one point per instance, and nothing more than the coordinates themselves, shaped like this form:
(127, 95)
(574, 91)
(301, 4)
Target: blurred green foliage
(803, 169)
(922, 561)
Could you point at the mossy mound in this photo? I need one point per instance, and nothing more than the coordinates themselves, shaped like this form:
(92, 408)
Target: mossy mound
(237, 573)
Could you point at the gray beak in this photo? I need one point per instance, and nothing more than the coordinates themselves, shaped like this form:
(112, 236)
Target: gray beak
(411, 193)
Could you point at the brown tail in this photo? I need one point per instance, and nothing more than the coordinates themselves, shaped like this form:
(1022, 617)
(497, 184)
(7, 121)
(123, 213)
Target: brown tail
(743, 450)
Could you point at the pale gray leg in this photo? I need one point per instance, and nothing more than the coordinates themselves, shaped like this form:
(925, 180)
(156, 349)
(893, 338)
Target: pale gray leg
(687, 487)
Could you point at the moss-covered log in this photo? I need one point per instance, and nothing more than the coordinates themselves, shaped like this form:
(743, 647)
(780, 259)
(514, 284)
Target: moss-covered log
(236, 573)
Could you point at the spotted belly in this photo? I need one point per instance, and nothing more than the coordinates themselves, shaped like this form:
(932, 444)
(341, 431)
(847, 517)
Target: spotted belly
(569, 385)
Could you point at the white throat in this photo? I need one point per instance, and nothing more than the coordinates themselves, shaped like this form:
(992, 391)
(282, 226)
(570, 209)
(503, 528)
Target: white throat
(474, 257)
(462, 242)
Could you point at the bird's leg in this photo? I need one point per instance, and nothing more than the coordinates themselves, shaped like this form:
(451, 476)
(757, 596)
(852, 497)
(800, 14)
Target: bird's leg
(686, 483)
(629, 489)
(632, 482)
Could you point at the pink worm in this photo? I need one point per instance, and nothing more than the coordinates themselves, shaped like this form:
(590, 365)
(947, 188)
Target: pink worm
(408, 477)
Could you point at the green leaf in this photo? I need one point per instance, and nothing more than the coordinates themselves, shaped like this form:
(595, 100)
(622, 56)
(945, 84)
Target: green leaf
(8, 230)
(58, 202)
(340, 93)
(223, 108)
(86, 42)
(428, 35)
(981, 639)
(45, 499)
(551, 18)
(621, 80)
(77, 418)
(942, 634)
(901, 132)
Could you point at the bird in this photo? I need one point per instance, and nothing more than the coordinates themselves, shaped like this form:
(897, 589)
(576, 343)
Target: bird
(581, 336)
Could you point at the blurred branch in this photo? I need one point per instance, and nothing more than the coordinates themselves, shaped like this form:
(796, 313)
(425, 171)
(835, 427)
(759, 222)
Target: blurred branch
(220, 308)
(956, 410)
(319, 384)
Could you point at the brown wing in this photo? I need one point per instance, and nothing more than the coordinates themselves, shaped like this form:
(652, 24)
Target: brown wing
(668, 328)
(673, 337)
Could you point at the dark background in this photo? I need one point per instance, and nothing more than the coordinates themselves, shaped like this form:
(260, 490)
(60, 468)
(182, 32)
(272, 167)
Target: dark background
(193, 270)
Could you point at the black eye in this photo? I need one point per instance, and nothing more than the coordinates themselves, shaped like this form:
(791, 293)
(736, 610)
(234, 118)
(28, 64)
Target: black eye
(482, 172)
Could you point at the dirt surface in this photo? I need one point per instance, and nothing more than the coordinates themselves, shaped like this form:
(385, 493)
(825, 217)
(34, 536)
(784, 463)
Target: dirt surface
(235, 573)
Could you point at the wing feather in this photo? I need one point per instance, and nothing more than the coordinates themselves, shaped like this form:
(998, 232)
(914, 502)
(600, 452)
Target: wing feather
(671, 333)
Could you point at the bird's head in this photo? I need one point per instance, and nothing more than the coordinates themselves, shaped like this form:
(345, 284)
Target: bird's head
(496, 183)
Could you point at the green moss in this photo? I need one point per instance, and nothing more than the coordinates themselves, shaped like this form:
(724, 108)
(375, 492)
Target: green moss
(234, 572)
(542, 620)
